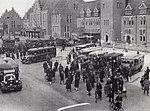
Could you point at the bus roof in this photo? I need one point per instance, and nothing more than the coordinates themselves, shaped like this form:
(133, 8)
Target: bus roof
(40, 48)
(8, 63)
(114, 54)
(85, 45)
(98, 52)
(135, 56)
(91, 49)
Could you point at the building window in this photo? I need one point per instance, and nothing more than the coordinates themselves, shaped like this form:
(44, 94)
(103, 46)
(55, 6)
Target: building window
(124, 20)
(106, 22)
(141, 20)
(144, 20)
(118, 5)
(132, 20)
(75, 6)
(142, 35)
(69, 18)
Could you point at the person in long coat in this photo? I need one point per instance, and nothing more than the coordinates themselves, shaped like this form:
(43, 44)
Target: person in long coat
(50, 74)
(62, 77)
(66, 72)
(111, 93)
(88, 86)
(68, 84)
(99, 90)
(146, 86)
(77, 79)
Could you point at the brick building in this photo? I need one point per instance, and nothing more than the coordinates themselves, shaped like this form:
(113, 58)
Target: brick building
(111, 11)
(38, 18)
(64, 18)
(136, 22)
(88, 20)
(12, 23)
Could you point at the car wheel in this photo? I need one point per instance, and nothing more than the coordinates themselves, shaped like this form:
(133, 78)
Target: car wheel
(19, 89)
(4, 91)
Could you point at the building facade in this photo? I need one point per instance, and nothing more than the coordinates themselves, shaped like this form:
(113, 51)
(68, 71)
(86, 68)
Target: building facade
(38, 17)
(88, 21)
(64, 18)
(12, 23)
(111, 11)
(136, 22)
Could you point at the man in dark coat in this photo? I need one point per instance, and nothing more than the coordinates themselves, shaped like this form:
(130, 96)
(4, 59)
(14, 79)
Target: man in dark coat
(77, 79)
(61, 77)
(101, 76)
(88, 86)
(66, 72)
(111, 93)
(68, 84)
(99, 90)
(56, 64)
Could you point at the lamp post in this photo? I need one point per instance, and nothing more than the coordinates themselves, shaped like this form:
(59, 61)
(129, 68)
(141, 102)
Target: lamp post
(8, 27)
(126, 42)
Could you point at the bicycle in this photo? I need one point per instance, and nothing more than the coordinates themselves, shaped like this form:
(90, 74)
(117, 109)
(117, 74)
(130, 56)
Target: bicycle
(113, 107)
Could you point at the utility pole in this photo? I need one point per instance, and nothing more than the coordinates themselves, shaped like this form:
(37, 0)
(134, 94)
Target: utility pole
(8, 27)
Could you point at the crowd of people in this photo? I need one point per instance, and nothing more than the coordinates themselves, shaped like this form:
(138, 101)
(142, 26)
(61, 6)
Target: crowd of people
(95, 73)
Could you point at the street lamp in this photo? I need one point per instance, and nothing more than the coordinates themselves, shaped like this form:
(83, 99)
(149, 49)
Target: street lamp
(8, 27)
(126, 45)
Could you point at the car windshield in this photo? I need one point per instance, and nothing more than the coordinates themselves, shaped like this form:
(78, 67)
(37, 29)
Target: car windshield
(10, 77)
(9, 71)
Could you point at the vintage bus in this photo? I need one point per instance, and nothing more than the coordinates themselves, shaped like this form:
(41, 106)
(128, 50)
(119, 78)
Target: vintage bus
(135, 62)
(114, 59)
(39, 54)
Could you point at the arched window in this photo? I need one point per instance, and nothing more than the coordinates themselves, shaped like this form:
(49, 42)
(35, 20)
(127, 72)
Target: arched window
(124, 20)
(132, 20)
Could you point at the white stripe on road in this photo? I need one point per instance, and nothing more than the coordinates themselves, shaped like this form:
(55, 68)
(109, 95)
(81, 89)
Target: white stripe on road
(72, 106)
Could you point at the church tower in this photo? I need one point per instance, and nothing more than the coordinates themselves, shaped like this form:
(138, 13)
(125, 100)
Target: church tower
(111, 11)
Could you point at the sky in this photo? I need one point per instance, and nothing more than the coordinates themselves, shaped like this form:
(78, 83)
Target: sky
(21, 6)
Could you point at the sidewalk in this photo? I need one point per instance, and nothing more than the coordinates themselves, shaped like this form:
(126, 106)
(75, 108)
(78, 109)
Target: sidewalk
(132, 47)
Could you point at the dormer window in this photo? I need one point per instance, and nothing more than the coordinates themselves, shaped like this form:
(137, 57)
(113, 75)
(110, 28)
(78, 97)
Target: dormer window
(88, 12)
(143, 8)
(128, 10)
(95, 12)
(82, 13)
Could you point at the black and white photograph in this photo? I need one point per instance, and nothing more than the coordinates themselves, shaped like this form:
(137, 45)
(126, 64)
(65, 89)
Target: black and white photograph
(74, 55)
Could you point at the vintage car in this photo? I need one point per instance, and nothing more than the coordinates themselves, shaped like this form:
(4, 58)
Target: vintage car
(7, 64)
(10, 83)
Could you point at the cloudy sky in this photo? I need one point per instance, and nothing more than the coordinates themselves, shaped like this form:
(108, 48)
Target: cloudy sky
(21, 6)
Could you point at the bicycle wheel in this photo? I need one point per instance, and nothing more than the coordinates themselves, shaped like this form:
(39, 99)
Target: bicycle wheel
(111, 106)
(121, 109)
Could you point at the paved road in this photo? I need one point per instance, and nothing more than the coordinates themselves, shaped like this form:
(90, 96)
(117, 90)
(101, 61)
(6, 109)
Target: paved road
(38, 95)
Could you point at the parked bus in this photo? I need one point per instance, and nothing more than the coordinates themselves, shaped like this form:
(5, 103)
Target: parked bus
(39, 54)
(135, 62)
(86, 51)
(79, 47)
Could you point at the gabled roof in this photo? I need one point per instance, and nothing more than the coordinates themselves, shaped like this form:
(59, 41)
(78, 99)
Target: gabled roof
(42, 3)
(9, 14)
(143, 6)
(50, 5)
(128, 7)
(135, 4)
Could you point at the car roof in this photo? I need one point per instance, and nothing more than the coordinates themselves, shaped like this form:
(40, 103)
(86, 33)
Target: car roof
(40, 48)
(8, 63)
